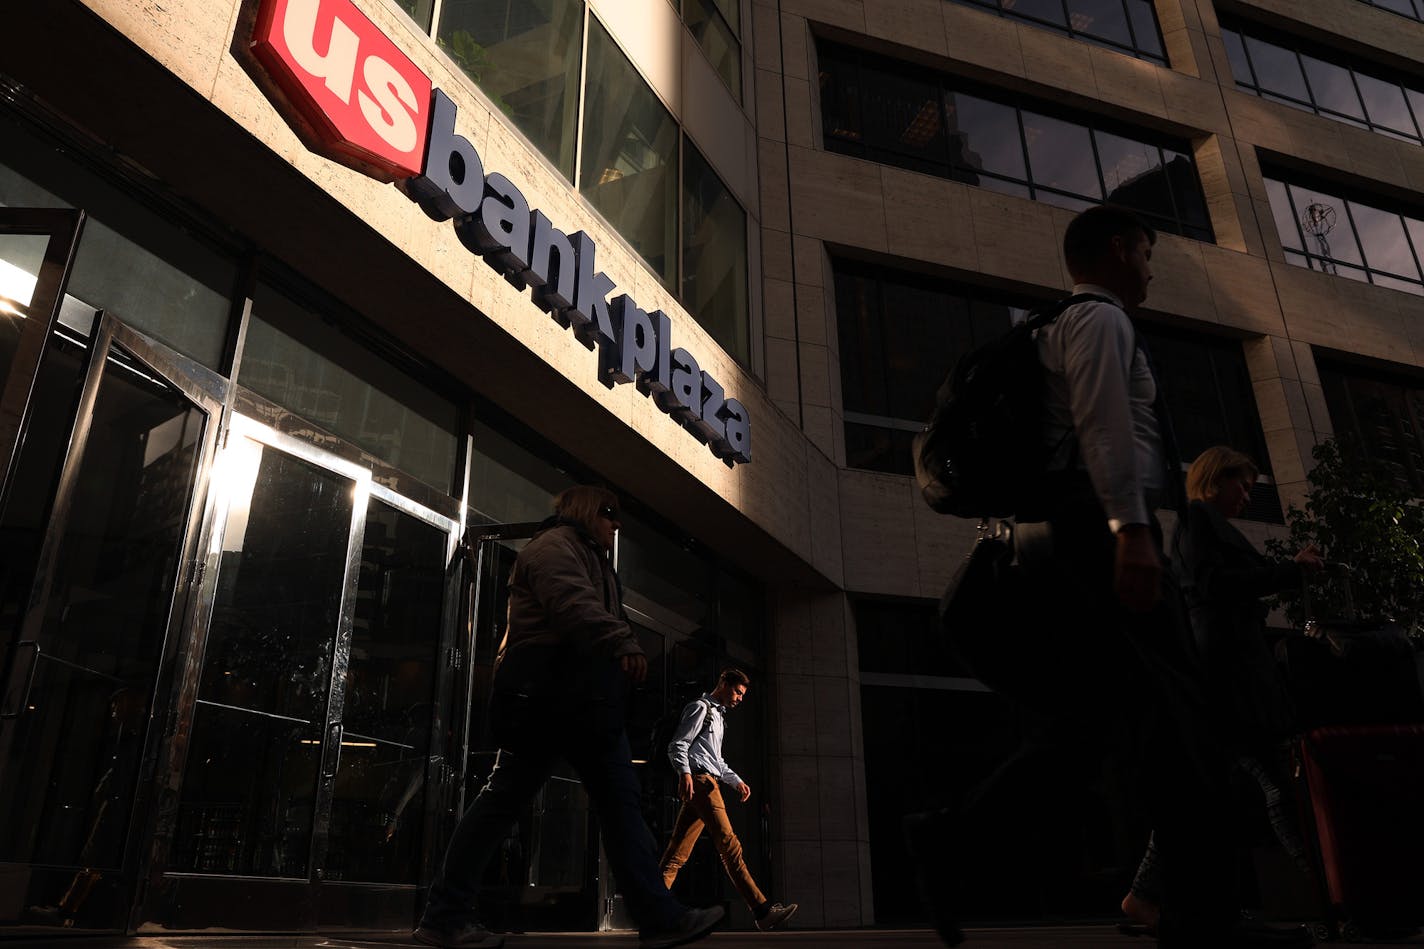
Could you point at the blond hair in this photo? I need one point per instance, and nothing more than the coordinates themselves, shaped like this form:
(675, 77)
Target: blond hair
(582, 502)
(1214, 466)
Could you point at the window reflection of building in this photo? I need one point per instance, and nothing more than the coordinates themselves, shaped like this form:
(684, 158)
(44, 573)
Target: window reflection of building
(1318, 79)
(1368, 241)
(1380, 415)
(1128, 26)
(903, 115)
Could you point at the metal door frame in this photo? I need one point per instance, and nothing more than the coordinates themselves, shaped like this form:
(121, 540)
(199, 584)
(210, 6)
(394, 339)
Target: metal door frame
(207, 391)
(64, 226)
(294, 902)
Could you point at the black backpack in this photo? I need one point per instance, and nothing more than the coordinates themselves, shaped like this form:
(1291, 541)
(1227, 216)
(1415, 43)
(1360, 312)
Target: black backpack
(663, 731)
(982, 453)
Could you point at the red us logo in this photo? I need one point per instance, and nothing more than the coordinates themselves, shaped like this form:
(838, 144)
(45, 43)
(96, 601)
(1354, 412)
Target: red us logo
(350, 91)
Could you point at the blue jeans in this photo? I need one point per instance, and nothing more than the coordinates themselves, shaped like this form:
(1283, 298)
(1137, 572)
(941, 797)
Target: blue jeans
(597, 748)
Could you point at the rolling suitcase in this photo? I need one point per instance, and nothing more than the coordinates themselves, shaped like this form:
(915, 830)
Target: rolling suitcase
(1365, 785)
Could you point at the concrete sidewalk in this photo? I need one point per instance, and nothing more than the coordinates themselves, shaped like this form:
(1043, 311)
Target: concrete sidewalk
(1103, 936)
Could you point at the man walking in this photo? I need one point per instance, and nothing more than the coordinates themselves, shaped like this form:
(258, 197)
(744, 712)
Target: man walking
(559, 690)
(1094, 645)
(696, 755)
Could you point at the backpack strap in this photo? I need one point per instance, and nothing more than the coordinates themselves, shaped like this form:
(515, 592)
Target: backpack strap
(1046, 314)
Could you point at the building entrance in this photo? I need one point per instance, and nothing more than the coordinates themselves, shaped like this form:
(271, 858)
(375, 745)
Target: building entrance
(98, 551)
(304, 727)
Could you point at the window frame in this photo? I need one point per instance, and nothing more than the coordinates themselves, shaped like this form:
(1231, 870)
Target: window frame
(841, 62)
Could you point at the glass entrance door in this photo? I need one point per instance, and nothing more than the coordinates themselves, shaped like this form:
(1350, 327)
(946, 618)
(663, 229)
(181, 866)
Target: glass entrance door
(303, 749)
(546, 874)
(86, 646)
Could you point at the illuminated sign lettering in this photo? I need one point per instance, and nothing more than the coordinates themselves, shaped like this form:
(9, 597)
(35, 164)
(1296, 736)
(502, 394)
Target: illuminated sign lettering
(357, 99)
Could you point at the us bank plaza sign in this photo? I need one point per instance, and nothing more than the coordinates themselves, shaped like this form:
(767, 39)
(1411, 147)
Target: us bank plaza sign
(354, 97)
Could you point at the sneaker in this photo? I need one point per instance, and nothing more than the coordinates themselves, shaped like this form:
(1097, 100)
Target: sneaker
(692, 925)
(776, 916)
(925, 842)
(469, 936)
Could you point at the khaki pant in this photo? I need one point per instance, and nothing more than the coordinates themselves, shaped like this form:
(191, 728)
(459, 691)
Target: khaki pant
(707, 810)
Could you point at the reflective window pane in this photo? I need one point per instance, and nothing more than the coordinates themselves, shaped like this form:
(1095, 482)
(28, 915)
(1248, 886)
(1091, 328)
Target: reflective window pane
(1383, 239)
(259, 728)
(1286, 225)
(1327, 228)
(715, 34)
(1144, 27)
(1385, 104)
(630, 155)
(986, 135)
(1277, 69)
(419, 11)
(1060, 155)
(1049, 11)
(377, 808)
(901, 116)
(70, 762)
(1133, 174)
(525, 57)
(714, 248)
(1332, 87)
(300, 361)
(1100, 18)
(1236, 54)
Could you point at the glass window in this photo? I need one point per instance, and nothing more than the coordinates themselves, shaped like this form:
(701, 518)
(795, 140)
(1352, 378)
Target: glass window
(1128, 26)
(629, 164)
(1383, 238)
(1332, 87)
(1236, 54)
(901, 117)
(1060, 155)
(419, 11)
(1048, 11)
(525, 57)
(1330, 226)
(1385, 104)
(998, 143)
(1144, 29)
(1284, 214)
(1407, 8)
(303, 363)
(1100, 18)
(1380, 415)
(1328, 232)
(1133, 175)
(714, 24)
(714, 248)
(1277, 69)
(986, 136)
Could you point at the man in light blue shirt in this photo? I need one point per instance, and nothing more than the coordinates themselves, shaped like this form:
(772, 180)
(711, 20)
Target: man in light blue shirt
(696, 755)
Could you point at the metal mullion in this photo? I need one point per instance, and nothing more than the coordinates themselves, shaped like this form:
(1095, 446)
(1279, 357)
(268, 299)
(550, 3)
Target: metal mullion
(1359, 244)
(582, 101)
(1131, 30)
(1023, 149)
(1098, 163)
(1414, 251)
(436, 9)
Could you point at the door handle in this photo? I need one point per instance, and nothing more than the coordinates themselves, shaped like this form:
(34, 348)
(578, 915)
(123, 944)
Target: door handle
(28, 679)
(333, 735)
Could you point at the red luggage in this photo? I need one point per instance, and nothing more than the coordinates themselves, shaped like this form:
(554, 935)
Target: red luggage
(1366, 789)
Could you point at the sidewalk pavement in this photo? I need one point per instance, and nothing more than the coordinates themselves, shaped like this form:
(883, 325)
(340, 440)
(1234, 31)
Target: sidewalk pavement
(1103, 936)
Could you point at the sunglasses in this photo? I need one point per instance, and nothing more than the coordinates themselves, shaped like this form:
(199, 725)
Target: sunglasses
(608, 511)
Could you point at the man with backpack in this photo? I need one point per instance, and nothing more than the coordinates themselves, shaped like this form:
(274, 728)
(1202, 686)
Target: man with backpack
(696, 755)
(1086, 632)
